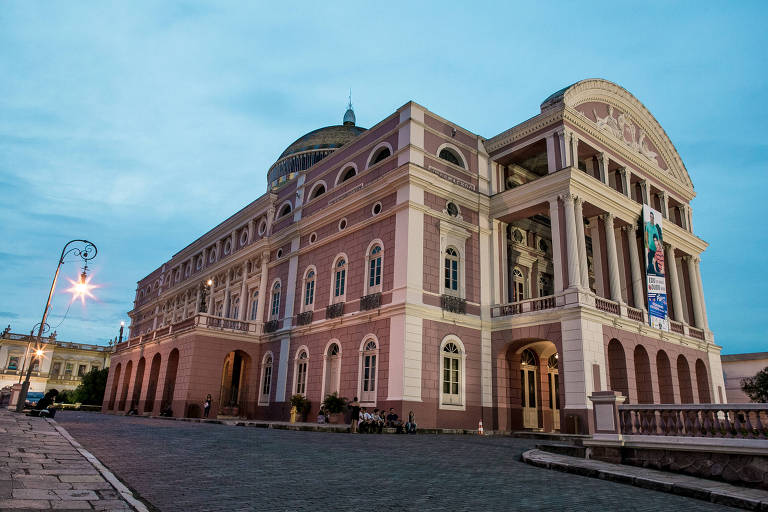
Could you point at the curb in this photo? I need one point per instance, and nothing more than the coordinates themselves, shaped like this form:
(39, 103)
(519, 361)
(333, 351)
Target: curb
(683, 485)
(126, 494)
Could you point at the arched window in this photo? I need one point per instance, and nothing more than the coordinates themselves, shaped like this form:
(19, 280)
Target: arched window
(285, 210)
(374, 269)
(235, 308)
(309, 290)
(254, 305)
(275, 309)
(451, 155)
(451, 356)
(348, 174)
(368, 358)
(451, 271)
(518, 285)
(339, 280)
(332, 369)
(379, 153)
(302, 361)
(266, 380)
(317, 191)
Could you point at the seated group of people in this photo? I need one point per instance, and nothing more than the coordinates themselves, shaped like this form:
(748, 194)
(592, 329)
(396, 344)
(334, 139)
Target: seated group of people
(376, 421)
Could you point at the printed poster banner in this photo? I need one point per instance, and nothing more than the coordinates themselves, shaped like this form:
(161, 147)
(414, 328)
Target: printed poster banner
(654, 268)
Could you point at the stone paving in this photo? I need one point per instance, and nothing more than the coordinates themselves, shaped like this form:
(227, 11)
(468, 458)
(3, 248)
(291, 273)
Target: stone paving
(41, 469)
(182, 466)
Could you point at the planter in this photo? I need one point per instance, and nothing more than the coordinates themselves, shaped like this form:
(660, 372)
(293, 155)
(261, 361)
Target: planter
(336, 418)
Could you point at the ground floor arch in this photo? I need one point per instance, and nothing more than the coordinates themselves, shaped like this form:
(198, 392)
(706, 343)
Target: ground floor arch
(234, 383)
(115, 383)
(169, 384)
(154, 374)
(126, 382)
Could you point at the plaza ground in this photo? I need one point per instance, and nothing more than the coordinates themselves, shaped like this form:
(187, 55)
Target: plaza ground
(181, 466)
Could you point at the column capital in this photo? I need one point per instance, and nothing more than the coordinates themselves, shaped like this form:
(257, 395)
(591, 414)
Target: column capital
(626, 229)
(608, 218)
(622, 171)
(568, 197)
(265, 257)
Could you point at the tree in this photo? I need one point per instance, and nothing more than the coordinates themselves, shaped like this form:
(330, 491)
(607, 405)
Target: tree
(756, 388)
(91, 389)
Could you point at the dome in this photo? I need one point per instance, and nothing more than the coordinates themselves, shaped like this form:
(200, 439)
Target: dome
(312, 147)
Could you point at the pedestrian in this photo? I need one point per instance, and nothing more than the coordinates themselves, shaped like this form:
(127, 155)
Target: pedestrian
(354, 406)
(410, 426)
(44, 406)
(207, 406)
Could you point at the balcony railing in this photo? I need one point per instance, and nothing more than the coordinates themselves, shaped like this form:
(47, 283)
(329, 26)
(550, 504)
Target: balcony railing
(453, 304)
(608, 306)
(334, 310)
(304, 318)
(271, 326)
(524, 306)
(371, 301)
(696, 333)
(746, 421)
(676, 327)
(635, 314)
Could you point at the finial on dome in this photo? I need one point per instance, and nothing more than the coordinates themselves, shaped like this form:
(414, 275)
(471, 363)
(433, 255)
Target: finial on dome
(349, 115)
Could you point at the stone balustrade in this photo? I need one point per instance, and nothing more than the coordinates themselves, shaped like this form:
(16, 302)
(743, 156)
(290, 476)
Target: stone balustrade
(747, 421)
(524, 306)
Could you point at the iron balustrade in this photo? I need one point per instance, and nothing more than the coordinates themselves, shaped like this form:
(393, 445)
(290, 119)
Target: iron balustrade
(371, 301)
(453, 304)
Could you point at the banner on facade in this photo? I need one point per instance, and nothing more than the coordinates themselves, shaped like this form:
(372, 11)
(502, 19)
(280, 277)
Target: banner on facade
(654, 268)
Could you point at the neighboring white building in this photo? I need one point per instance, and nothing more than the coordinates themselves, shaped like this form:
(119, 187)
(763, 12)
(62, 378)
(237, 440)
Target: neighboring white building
(63, 366)
(737, 367)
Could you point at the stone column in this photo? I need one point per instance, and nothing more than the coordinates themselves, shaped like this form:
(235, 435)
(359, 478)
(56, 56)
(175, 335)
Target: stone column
(270, 220)
(565, 148)
(603, 163)
(572, 247)
(702, 302)
(197, 301)
(637, 275)
(234, 242)
(693, 278)
(227, 295)
(557, 251)
(551, 162)
(243, 295)
(613, 260)
(575, 144)
(644, 192)
(625, 180)
(263, 292)
(584, 267)
(664, 204)
(205, 258)
(251, 231)
(670, 265)
(597, 256)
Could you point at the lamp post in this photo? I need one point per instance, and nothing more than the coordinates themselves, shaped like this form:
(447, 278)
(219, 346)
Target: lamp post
(122, 325)
(86, 251)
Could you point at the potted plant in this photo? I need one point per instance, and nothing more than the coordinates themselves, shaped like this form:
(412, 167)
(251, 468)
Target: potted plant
(334, 405)
(301, 405)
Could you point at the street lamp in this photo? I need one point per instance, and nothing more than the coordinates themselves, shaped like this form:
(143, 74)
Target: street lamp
(122, 325)
(86, 251)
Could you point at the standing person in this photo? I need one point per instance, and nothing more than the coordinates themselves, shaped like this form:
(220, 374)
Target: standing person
(354, 406)
(410, 427)
(207, 406)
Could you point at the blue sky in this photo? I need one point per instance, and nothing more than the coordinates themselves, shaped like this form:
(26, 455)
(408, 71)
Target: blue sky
(141, 125)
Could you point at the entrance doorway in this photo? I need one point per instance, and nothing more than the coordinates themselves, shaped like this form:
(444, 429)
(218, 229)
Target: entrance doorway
(529, 388)
(554, 389)
(234, 384)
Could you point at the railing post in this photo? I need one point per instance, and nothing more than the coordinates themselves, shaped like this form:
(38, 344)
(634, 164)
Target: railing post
(605, 407)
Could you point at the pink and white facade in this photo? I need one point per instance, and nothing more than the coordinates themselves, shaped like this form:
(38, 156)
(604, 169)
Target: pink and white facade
(419, 266)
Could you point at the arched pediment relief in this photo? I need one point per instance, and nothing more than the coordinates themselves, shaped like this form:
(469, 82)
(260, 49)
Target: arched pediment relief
(613, 111)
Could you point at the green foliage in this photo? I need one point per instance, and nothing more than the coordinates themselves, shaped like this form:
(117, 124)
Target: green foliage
(300, 403)
(91, 389)
(65, 397)
(756, 388)
(334, 403)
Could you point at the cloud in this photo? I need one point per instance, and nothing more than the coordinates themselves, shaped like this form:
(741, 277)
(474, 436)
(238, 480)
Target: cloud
(8, 314)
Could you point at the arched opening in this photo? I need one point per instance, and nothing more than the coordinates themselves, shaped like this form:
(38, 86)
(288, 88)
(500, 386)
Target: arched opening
(170, 379)
(643, 376)
(702, 382)
(684, 380)
(332, 369)
(318, 191)
(126, 382)
(529, 364)
(450, 155)
(664, 371)
(285, 210)
(154, 373)
(368, 374)
(380, 155)
(348, 174)
(137, 383)
(115, 382)
(553, 366)
(266, 379)
(234, 383)
(617, 367)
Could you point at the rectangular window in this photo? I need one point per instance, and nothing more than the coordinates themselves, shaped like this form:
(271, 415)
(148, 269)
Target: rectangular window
(301, 378)
(522, 388)
(265, 389)
(339, 286)
(531, 388)
(309, 293)
(81, 370)
(13, 363)
(68, 370)
(369, 373)
(275, 304)
(451, 379)
(56, 370)
(374, 275)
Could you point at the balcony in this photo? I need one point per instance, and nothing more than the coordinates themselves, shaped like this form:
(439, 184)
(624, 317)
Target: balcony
(371, 301)
(334, 310)
(525, 306)
(453, 304)
(304, 318)
(271, 326)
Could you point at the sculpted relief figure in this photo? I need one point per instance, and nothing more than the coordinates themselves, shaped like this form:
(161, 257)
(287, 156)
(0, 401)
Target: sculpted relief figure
(622, 128)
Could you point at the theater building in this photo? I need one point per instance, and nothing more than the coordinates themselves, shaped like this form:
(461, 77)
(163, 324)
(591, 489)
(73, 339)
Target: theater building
(423, 267)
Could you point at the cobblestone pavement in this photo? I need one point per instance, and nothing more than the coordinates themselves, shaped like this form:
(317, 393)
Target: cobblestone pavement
(180, 466)
(40, 469)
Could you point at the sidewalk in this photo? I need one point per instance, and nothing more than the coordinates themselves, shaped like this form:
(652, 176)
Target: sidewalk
(42, 467)
(708, 490)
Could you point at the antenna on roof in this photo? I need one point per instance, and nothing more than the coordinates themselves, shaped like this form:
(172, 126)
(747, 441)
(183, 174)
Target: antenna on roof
(349, 115)
(350, 99)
